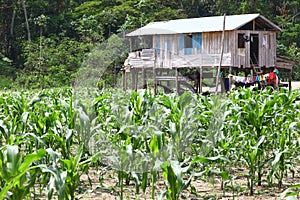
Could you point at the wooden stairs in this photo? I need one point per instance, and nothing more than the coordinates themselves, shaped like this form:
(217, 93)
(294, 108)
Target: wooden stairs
(257, 69)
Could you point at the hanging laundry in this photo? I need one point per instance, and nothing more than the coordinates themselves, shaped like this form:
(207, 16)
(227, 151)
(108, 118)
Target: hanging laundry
(272, 78)
(264, 42)
(257, 78)
(277, 73)
(232, 77)
(240, 79)
(247, 80)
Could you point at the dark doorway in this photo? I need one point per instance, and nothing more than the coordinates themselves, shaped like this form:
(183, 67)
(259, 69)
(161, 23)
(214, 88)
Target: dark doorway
(254, 49)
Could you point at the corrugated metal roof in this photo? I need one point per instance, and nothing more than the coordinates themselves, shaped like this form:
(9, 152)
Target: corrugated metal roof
(196, 25)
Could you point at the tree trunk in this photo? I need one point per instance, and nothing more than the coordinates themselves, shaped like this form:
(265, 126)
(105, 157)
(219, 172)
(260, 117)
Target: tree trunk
(11, 34)
(26, 20)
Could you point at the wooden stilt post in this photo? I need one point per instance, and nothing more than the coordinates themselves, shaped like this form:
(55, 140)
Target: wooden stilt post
(290, 80)
(154, 73)
(136, 79)
(230, 77)
(143, 78)
(168, 74)
(200, 79)
(160, 74)
(221, 57)
(177, 83)
(222, 81)
(125, 80)
(154, 80)
(132, 78)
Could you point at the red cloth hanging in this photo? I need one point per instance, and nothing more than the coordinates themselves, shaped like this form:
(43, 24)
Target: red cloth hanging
(272, 78)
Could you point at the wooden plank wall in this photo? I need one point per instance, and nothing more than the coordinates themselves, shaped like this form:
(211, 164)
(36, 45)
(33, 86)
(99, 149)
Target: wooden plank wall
(163, 59)
(267, 51)
(272, 56)
(267, 48)
(211, 44)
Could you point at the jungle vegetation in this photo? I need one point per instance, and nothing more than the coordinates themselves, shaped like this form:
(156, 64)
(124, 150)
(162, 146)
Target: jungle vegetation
(44, 42)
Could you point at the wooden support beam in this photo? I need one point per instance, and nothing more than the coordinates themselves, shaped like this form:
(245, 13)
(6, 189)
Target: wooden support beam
(168, 74)
(144, 78)
(154, 80)
(125, 77)
(222, 79)
(160, 74)
(222, 51)
(290, 80)
(136, 80)
(200, 79)
(230, 78)
(177, 82)
(132, 71)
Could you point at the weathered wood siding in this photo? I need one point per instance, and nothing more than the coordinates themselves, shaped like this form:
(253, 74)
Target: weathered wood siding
(212, 42)
(169, 47)
(241, 56)
(266, 49)
(170, 44)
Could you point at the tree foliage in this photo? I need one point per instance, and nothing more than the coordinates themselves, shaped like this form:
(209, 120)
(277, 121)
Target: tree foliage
(72, 27)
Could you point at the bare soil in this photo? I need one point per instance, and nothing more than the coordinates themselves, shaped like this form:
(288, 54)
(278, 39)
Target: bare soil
(295, 85)
(206, 188)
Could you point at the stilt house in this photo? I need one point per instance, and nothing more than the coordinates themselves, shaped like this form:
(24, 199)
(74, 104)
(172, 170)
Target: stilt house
(245, 42)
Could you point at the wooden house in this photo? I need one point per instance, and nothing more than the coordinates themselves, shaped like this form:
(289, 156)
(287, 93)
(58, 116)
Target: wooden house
(244, 42)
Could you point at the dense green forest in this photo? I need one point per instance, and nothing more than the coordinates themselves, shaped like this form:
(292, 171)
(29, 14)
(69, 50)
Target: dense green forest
(44, 42)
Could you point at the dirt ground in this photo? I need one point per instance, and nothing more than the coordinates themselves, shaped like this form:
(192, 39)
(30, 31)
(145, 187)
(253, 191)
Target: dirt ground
(208, 188)
(295, 85)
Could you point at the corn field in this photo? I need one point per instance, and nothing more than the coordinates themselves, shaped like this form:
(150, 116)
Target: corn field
(161, 143)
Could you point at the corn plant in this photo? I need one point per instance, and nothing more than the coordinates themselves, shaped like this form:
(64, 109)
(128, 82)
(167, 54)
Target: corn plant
(144, 137)
(284, 137)
(292, 193)
(173, 174)
(17, 172)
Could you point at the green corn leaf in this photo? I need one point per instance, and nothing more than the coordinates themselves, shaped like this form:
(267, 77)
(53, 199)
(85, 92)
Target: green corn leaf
(12, 182)
(277, 156)
(29, 159)
(261, 140)
(224, 175)
(289, 195)
(13, 159)
(54, 155)
(297, 186)
(202, 159)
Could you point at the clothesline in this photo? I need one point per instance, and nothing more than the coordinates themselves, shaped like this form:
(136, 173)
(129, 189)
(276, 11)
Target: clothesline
(246, 80)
